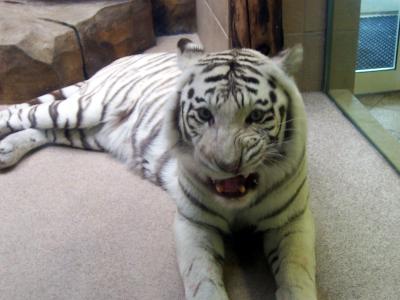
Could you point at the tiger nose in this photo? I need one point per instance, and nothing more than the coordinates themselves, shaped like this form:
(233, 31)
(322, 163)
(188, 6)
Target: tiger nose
(229, 166)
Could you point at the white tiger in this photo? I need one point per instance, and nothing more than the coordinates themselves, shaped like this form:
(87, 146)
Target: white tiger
(224, 133)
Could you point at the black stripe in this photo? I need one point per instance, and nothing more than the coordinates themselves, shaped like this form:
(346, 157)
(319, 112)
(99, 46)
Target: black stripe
(276, 271)
(124, 97)
(205, 279)
(19, 114)
(282, 117)
(103, 112)
(32, 116)
(155, 131)
(131, 84)
(216, 78)
(211, 66)
(202, 224)
(273, 260)
(176, 114)
(290, 220)
(272, 83)
(54, 136)
(191, 78)
(182, 118)
(151, 115)
(53, 112)
(195, 118)
(251, 90)
(244, 54)
(79, 113)
(159, 59)
(161, 163)
(199, 99)
(219, 258)
(210, 91)
(190, 93)
(248, 67)
(249, 79)
(270, 128)
(82, 137)
(268, 119)
(109, 79)
(272, 96)
(281, 182)
(272, 252)
(198, 204)
(285, 205)
(254, 153)
(9, 126)
(138, 122)
(289, 119)
(67, 134)
(240, 92)
(100, 147)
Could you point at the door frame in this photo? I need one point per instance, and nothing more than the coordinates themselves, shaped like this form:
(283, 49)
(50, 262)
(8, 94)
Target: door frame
(339, 77)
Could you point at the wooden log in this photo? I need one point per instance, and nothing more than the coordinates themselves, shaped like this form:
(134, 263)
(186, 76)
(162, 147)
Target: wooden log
(239, 24)
(257, 24)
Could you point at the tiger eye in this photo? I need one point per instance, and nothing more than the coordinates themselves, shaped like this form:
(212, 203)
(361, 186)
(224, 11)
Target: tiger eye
(255, 116)
(204, 114)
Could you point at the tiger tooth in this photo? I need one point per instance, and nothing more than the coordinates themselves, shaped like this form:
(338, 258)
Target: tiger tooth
(242, 189)
(219, 188)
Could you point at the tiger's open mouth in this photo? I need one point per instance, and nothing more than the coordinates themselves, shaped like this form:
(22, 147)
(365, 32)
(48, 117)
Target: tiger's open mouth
(235, 187)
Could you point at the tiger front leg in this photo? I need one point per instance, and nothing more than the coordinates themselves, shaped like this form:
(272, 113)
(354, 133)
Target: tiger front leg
(16, 145)
(200, 253)
(291, 255)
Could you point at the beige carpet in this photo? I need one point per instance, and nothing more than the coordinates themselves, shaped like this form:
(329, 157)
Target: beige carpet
(77, 225)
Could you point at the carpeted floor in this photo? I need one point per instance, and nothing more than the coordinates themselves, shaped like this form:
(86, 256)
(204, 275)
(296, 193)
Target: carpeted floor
(77, 225)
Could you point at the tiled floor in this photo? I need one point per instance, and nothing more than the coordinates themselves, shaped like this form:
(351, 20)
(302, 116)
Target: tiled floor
(386, 109)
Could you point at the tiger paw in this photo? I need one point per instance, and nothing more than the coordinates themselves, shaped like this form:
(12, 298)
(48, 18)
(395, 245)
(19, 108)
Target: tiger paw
(8, 155)
(12, 149)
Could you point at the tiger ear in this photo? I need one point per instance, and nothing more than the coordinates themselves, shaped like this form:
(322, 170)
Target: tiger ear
(188, 53)
(290, 60)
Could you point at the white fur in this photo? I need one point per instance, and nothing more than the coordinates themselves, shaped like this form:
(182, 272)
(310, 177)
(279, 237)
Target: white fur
(129, 110)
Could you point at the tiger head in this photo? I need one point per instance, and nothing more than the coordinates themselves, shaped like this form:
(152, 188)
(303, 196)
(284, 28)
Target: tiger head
(233, 118)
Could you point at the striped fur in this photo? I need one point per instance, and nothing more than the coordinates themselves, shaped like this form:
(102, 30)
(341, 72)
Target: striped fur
(185, 122)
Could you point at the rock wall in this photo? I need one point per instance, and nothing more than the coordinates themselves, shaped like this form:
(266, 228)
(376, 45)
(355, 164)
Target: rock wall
(174, 16)
(45, 45)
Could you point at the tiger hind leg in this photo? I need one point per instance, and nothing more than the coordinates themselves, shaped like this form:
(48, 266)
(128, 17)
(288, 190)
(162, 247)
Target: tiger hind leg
(12, 117)
(76, 112)
(16, 145)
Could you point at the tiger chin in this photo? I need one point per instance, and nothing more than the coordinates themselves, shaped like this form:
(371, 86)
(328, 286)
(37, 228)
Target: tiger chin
(223, 133)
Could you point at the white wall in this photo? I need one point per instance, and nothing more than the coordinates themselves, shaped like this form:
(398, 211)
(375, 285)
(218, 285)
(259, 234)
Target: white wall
(376, 6)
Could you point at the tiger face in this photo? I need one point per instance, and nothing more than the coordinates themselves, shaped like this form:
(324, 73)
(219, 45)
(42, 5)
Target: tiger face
(233, 116)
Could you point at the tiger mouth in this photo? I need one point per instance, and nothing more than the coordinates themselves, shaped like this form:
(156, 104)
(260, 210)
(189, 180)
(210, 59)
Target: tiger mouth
(235, 187)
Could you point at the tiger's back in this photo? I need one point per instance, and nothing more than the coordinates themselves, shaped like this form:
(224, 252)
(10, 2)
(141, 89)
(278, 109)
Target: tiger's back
(138, 99)
(119, 110)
